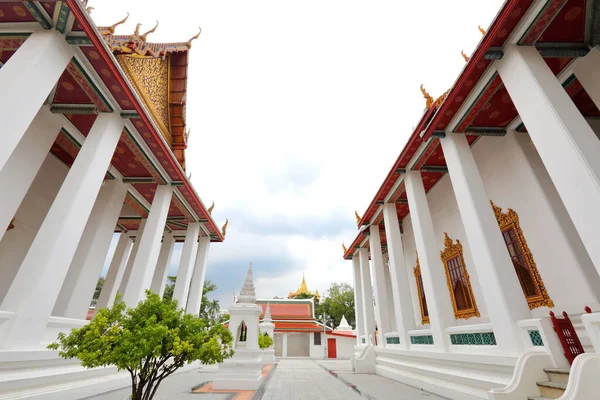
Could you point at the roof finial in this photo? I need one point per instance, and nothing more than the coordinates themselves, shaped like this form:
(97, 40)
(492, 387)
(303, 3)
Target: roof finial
(211, 208)
(357, 217)
(89, 9)
(466, 57)
(145, 35)
(112, 28)
(427, 96)
(136, 32)
(224, 232)
(344, 247)
(481, 30)
(189, 42)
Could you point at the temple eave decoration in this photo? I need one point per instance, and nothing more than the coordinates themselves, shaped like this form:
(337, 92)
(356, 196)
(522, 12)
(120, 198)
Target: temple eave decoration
(158, 72)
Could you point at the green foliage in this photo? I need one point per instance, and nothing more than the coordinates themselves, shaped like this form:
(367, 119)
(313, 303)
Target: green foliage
(338, 301)
(264, 341)
(209, 309)
(169, 287)
(99, 286)
(150, 341)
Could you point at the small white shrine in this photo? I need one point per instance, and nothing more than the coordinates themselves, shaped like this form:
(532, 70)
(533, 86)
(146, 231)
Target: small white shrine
(243, 370)
(267, 326)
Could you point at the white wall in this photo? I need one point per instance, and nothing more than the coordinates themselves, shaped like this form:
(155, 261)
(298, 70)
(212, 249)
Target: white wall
(316, 351)
(511, 183)
(344, 346)
(29, 218)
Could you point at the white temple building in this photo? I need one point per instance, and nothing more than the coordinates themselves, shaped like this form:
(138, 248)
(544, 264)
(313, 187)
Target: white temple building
(93, 144)
(488, 220)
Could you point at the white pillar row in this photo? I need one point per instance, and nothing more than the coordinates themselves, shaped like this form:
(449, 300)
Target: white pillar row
(36, 286)
(144, 264)
(135, 235)
(441, 314)
(403, 309)
(367, 296)
(359, 318)
(194, 300)
(26, 80)
(502, 292)
(24, 163)
(78, 288)
(388, 286)
(378, 276)
(115, 272)
(162, 266)
(564, 140)
(186, 264)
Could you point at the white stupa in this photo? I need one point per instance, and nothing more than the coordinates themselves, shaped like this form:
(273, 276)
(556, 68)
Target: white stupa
(344, 326)
(267, 326)
(243, 370)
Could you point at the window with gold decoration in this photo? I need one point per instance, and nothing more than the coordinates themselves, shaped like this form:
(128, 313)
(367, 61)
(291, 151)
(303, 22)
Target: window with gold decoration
(421, 294)
(522, 259)
(459, 284)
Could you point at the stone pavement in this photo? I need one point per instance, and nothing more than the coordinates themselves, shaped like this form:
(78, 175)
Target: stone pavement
(293, 379)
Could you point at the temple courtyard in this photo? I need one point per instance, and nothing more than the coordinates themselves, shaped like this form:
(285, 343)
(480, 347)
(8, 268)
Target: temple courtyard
(291, 379)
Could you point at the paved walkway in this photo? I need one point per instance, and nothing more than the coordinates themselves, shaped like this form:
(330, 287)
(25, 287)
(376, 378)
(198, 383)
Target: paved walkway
(293, 379)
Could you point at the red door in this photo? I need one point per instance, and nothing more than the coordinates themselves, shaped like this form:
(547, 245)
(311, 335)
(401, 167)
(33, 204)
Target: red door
(331, 349)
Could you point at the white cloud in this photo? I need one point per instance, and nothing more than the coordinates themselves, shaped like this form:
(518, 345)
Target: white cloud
(297, 110)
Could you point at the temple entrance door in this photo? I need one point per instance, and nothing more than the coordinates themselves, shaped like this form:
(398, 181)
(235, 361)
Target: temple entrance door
(331, 349)
(278, 339)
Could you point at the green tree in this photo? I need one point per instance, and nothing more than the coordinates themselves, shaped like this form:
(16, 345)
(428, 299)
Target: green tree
(264, 341)
(169, 286)
(338, 301)
(150, 341)
(99, 286)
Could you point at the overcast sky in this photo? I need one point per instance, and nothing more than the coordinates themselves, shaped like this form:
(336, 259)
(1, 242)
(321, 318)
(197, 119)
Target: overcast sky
(297, 110)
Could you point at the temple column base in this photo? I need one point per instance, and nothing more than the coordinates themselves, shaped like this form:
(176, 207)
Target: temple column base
(241, 372)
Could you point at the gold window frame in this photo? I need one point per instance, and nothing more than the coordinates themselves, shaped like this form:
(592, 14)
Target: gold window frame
(450, 252)
(420, 294)
(510, 219)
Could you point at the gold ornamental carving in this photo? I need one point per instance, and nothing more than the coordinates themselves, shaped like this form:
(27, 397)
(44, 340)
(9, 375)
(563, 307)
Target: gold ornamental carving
(345, 248)
(451, 251)
(224, 228)
(357, 217)
(211, 208)
(506, 221)
(420, 294)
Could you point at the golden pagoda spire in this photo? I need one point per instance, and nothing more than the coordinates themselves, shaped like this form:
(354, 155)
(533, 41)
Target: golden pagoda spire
(303, 288)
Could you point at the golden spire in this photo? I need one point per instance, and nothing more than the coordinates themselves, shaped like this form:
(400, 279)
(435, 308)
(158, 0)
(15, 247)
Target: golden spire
(344, 247)
(211, 208)
(112, 28)
(481, 30)
(427, 96)
(145, 35)
(357, 217)
(466, 57)
(189, 42)
(224, 228)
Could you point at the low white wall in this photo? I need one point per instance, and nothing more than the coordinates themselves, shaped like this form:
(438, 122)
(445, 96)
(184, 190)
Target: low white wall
(344, 346)
(316, 351)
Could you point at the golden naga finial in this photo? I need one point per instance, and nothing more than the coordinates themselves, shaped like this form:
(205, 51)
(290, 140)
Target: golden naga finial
(438, 102)
(145, 35)
(189, 42)
(357, 217)
(344, 247)
(89, 9)
(466, 57)
(112, 28)
(136, 33)
(211, 208)
(224, 228)
(427, 97)
(481, 30)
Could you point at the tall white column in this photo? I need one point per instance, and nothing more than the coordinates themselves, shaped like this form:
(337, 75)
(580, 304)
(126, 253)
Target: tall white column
(115, 272)
(405, 319)
(162, 266)
(359, 316)
(390, 295)
(367, 295)
(36, 286)
(135, 235)
(26, 80)
(186, 264)
(563, 138)
(439, 306)
(502, 293)
(142, 269)
(197, 286)
(23, 165)
(78, 288)
(378, 275)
